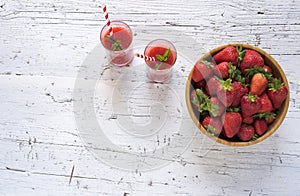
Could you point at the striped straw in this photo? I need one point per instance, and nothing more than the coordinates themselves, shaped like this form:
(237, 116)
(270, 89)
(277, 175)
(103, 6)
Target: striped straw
(147, 58)
(107, 19)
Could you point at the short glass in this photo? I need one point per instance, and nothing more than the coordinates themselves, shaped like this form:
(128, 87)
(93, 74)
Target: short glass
(160, 70)
(118, 46)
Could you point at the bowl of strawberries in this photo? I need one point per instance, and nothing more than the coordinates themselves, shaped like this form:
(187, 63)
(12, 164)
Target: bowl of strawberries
(237, 94)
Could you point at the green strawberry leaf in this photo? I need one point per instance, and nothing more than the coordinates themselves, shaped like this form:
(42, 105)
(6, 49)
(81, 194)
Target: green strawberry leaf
(213, 108)
(255, 137)
(204, 101)
(235, 73)
(207, 63)
(233, 109)
(265, 115)
(227, 84)
(210, 129)
(275, 85)
(253, 70)
(252, 98)
(241, 53)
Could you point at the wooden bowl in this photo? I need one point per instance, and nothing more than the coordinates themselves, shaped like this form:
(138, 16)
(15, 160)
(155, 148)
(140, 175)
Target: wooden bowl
(277, 72)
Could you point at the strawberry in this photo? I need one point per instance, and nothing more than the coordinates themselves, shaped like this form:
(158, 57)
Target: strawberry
(204, 104)
(265, 102)
(246, 132)
(200, 100)
(268, 69)
(229, 54)
(212, 86)
(194, 99)
(251, 59)
(221, 70)
(260, 126)
(239, 91)
(217, 108)
(258, 84)
(225, 92)
(202, 70)
(277, 92)
(212, 125)
(248, 120)
(201, 84)
(250, 105)
(231, 123)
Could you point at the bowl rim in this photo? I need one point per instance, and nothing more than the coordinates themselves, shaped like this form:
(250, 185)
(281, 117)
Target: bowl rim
(282, 111)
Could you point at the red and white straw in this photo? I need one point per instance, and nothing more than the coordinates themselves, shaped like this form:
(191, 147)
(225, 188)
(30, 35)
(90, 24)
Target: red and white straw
(147, 58)
(107, 19)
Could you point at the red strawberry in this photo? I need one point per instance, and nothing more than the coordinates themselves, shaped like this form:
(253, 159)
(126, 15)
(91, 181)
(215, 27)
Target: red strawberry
(202, 70)
(225, 92)
(258, 84)
(268, 69)
(266, 104)
(246, 132)
(260, 126)
(251, 59)
(217, 108)
(250, 105)
(221, 70)
(194, 99)
(248, 120)
(270, 120)
(229, 54)
(231, 123)
(239, 91)
(277, 92)
(212, 125)
(201, 84)
(212, 86)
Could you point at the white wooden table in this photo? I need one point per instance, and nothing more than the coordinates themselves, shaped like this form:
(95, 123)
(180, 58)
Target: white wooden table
(45, 148)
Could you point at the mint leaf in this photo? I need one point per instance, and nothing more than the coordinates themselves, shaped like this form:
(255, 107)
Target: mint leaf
(116, 44)
(164, 57)
(157, 65)
(166, 54)
(160, 57)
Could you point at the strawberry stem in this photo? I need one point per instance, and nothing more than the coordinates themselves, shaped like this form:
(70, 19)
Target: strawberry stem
(226, 85)
(211, 129)
(236, 74)
(205, 104)
(255, 137)
(252, 98)
(265, 115)
(241, 53)
(253, 70)
(233, 109)
(276, 85)
(207, 64)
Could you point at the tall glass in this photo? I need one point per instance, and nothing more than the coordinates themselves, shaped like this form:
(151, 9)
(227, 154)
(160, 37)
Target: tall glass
(165, 55)
(118, 46)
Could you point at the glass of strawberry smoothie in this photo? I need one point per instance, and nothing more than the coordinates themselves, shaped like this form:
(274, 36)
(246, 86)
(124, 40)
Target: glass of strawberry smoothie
(165, 54)
(118, 46)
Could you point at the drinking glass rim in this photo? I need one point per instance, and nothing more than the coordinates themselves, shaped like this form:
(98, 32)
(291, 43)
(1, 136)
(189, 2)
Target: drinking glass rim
(127, 27)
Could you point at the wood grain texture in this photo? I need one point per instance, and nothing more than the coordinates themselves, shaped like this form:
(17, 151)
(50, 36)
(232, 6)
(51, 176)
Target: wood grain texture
(43, 45)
